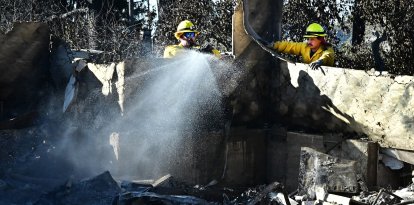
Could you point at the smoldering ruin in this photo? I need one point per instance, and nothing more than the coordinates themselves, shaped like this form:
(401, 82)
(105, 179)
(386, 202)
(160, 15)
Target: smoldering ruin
(197, 130)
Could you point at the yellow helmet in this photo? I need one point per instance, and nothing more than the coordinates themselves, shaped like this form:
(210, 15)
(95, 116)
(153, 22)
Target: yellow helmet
(314, 30)
(183, 27)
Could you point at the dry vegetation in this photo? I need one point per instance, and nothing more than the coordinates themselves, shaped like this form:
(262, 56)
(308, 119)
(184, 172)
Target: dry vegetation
(106, 25)
(358, 20)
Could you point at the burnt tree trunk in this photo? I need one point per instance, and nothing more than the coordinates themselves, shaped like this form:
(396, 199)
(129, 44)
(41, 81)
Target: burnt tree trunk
(358, 24)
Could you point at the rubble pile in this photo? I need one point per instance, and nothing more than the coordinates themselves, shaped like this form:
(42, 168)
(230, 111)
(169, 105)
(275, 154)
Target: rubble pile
(103, 189)
(324, 179)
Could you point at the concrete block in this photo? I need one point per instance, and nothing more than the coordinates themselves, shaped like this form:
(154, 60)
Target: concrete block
(365, 153)
(283, 153)
(321, 170)
(293, 145)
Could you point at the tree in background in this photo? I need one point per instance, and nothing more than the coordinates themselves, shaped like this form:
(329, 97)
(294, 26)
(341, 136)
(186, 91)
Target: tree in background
(395, 18)
(212, 18)
(85, 24)
(107, 25)
(351, 26)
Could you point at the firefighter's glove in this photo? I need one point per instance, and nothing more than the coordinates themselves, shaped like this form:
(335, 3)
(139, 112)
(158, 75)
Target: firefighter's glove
(315, 65)
(206, 48)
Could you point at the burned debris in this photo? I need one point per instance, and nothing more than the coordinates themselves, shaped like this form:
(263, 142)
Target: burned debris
(323, 179)
(98, 190)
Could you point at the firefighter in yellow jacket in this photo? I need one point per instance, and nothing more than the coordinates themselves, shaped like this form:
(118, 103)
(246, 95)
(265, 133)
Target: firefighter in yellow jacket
(316, 51)
(187, 37)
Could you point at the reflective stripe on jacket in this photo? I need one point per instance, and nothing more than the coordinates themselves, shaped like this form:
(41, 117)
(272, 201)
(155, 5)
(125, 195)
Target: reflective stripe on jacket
(326, 55)
(173, 50)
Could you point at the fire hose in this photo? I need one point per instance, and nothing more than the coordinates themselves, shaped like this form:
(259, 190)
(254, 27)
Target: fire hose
(254, 36)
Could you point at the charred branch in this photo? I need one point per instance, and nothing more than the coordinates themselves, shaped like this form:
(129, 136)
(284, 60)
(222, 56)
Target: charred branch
(68, 14)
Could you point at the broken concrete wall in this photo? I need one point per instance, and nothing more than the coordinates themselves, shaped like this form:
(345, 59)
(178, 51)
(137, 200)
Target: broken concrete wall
(340, 99)
(24, 62)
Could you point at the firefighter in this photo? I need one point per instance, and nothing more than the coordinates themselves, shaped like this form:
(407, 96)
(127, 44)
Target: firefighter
(316, 51)
(187, 37)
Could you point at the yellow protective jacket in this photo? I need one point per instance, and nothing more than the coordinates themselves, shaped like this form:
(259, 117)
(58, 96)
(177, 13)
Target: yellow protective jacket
(327, 55)
(174, 50)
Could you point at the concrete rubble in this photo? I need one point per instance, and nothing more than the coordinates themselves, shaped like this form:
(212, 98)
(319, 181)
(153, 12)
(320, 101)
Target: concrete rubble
(102, 189)
(105, 189)
(322, 171)
(38, 188)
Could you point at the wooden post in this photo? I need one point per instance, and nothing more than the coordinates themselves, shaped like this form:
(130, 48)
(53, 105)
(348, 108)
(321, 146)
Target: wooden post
(372, 164)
